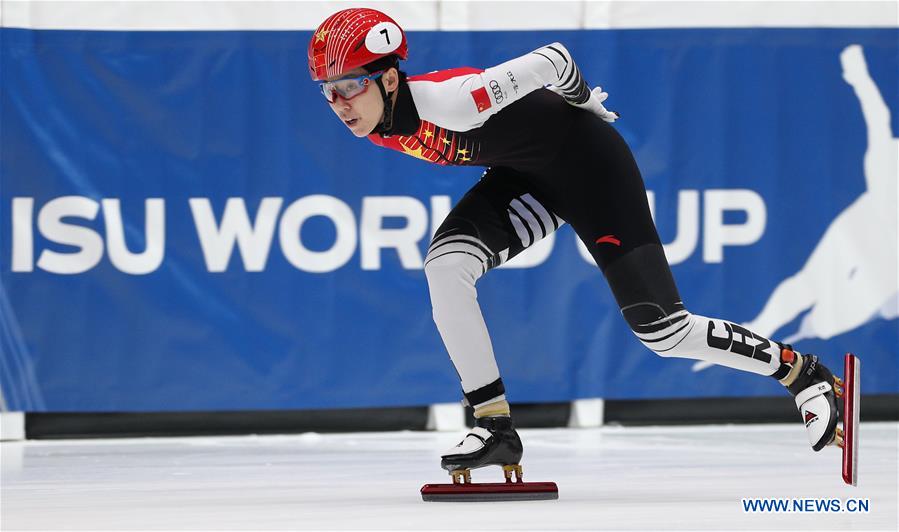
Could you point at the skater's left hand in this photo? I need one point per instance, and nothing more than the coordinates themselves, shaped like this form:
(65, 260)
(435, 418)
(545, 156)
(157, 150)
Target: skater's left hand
(595, 106)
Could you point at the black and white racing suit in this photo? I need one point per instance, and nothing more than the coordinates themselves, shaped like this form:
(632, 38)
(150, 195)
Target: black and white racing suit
(549, 162)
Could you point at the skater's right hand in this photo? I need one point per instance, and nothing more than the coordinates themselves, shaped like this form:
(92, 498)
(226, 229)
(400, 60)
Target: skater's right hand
(594, 104)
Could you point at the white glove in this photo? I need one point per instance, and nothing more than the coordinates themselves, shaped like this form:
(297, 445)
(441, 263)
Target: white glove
(595, 106)
(593, 103)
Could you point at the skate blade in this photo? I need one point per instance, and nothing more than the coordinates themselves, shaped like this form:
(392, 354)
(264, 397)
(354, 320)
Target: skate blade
(851, 404)
(500, 491)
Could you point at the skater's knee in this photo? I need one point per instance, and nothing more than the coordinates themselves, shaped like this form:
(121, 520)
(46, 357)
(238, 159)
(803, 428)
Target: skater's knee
(649, 317)
(660, 330)
(453, 268)
(451, 283)
(457, 258)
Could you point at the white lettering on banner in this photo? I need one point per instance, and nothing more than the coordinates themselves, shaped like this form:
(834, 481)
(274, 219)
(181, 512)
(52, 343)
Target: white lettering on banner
(374, 237)
(154, 231)
(687, 232)
(51, 226)
(716, 234)
(292, 221)
(254, 240)
(89, 242)
(440, 209)
(22, 235)
(583, 251)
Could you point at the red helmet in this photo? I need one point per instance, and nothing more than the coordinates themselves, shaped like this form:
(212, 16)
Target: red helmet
(352, 38)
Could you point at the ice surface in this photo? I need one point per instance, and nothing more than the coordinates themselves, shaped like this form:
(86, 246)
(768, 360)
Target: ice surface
(609, 478)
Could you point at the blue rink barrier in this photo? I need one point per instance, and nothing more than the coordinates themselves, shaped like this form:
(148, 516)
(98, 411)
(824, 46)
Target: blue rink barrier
(185, 226)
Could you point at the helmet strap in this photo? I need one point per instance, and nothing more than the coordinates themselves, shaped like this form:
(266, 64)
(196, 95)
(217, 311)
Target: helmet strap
(387, 120)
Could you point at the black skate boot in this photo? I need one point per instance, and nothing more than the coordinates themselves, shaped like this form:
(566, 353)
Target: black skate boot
(817, 392)
(825, 400)
(492, 441)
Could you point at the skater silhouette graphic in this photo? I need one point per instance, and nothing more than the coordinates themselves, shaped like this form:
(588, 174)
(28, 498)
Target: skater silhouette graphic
(851, 276)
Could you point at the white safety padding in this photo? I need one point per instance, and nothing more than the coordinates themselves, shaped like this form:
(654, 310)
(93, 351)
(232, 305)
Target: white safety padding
(446, 417)
(586, 413)
(12, 426)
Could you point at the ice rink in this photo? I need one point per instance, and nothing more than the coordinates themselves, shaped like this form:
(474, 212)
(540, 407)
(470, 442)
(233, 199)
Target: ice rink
(609, 478)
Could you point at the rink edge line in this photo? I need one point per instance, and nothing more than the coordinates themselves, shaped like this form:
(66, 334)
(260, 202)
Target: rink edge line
(590, 412)
(12, 426)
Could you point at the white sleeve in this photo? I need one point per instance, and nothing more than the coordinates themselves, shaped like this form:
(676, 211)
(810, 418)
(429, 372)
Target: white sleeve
(466, 101)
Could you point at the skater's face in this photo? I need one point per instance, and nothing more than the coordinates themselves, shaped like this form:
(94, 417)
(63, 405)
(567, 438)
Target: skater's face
(362, 112)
